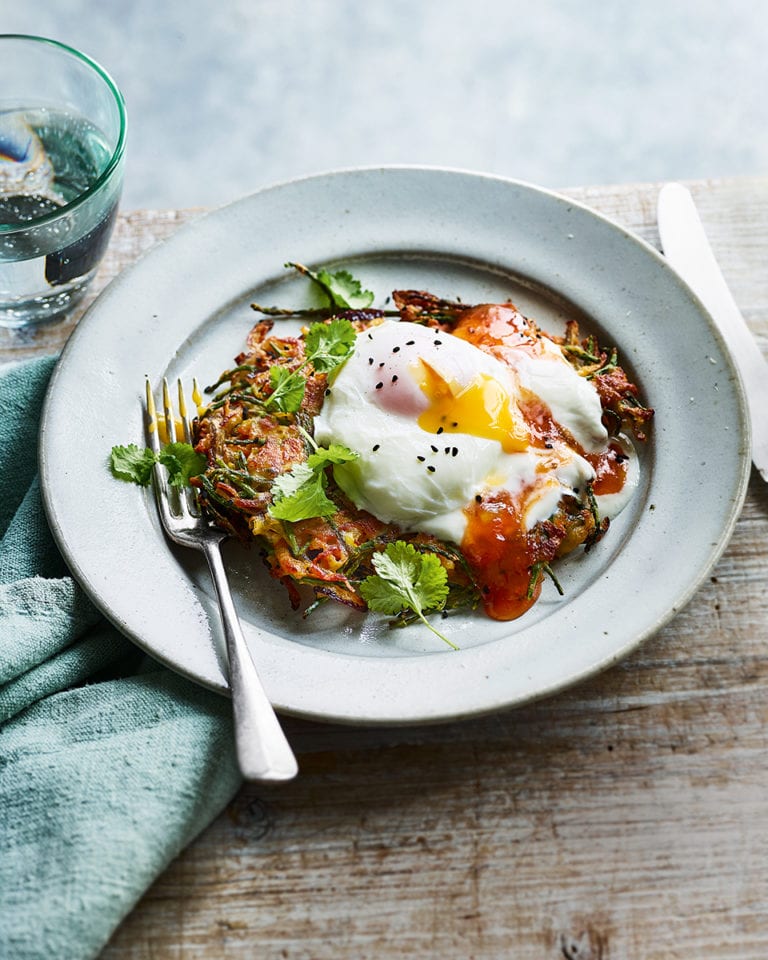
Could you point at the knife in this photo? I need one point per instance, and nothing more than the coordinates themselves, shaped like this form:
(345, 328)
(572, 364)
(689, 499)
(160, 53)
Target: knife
(687, 249)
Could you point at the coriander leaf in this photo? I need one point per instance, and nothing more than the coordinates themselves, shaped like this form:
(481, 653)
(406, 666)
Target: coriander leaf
(287, 390)
(382, 597)
(419, 579)
(406, 579)
(132, 464)
(335, 453)
(300, 494)
(432, 582)
(341, 288)
(306, 498)
(344, 290)
(329, 344)
(182, 463)
(288, 483)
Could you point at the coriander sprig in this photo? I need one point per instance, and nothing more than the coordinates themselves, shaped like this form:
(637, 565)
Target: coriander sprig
(407, 579)
(327, 346)
(342, 289)
(300, 493)
(134, 465)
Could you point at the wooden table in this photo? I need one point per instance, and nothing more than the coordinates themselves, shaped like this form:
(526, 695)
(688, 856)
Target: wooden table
(625, 818)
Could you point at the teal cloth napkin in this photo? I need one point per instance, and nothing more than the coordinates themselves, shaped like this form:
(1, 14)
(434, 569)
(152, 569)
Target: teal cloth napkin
(109, 763)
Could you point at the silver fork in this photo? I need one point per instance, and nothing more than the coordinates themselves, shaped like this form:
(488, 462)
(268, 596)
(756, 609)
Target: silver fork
(263, 752)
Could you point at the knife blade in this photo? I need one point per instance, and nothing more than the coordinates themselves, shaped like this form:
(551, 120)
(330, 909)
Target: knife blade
(687, 248)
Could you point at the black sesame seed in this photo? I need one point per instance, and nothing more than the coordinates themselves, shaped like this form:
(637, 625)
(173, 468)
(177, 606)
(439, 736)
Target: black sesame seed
(394, 378)
(478, 498)
(421, 459)
(370, 360)
(327, 391)
(370, 336)
(379, 385)
(454, 451)
(455, 423)
(381, 365)
(395, 349)
(438, 343)
(430, 468)
(375, 447)
(440, 429)
(409, 343)
(433, 448)
(447, 450)
(548, 445)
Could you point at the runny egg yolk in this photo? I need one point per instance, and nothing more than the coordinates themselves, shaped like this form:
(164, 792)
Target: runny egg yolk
(481, 408)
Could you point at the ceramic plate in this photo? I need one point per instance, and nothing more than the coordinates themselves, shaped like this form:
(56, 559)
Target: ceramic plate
(185, 310)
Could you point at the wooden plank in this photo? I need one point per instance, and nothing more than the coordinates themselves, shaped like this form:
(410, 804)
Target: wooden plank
(625, 817)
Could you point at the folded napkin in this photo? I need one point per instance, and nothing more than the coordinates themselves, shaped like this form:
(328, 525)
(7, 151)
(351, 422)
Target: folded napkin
(109, 763)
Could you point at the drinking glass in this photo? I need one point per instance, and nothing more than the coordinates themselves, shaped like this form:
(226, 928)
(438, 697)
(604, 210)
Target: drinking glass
(62, 141)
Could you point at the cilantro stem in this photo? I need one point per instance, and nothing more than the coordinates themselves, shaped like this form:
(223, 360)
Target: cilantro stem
(434, 630)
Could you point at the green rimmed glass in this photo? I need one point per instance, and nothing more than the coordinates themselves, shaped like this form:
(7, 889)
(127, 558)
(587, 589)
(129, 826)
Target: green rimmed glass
(62, 146)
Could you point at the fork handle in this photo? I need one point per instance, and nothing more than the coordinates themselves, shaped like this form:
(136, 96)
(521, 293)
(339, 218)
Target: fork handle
(263, 752)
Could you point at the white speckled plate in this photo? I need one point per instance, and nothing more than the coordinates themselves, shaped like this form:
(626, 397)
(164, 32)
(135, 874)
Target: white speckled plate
(184, 309)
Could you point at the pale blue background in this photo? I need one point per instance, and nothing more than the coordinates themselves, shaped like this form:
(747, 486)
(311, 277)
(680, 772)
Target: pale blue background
(227, 97)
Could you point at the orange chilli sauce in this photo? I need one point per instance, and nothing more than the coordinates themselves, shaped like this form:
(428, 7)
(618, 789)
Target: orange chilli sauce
(498, 551)
(496, 544)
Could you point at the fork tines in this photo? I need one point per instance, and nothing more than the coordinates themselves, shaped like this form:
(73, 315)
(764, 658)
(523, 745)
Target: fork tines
(168, 427)
(162, 429)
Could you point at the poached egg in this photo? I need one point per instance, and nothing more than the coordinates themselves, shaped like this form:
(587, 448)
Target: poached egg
(470, 436)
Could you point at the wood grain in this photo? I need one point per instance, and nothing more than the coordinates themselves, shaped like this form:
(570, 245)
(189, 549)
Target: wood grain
(624, 818)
